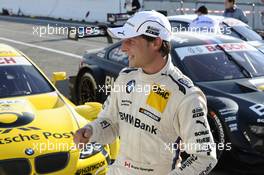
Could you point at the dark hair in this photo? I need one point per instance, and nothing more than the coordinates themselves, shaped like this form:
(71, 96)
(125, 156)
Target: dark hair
(232, 1)
(165, 47)
(202, 9)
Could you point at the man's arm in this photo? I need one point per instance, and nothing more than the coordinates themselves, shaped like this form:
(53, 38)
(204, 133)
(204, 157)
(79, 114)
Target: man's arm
(105, 128)
(196, 136)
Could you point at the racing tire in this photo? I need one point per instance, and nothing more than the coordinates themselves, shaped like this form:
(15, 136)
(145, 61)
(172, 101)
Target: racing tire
(217, 132)
(86, 91)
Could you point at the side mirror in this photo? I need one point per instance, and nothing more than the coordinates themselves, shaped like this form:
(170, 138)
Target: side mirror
(89, 110)
(58, 76)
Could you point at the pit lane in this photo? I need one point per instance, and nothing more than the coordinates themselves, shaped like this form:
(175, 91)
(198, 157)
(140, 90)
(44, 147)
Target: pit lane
(51, 52)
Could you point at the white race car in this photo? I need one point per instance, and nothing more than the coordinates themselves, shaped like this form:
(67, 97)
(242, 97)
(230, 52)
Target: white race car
(230, 26)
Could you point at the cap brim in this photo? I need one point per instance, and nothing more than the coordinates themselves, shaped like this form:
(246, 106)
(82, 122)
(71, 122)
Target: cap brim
(122, 32)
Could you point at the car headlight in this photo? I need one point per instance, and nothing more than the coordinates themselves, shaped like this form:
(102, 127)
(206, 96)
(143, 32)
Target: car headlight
(258, 130)
(90, 149)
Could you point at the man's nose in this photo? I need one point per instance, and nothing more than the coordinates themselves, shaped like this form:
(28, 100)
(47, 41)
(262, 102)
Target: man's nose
(124, 45)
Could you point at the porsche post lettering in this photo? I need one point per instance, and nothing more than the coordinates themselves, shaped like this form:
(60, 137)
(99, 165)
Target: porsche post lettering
(31, 137)
(49, 135)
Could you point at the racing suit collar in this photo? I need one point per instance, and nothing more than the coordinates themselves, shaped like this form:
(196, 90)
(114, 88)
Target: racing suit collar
(149, 77)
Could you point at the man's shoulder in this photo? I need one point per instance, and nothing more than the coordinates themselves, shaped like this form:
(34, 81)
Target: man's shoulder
(128, 70)
(179, 80)
(238, 10)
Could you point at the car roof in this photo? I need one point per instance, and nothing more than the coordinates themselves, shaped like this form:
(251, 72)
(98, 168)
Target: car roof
(183, 39)
(190, 17)
(8, 51)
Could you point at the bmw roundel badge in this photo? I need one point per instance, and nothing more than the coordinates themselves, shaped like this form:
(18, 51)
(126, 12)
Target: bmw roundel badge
(130, 86)
(29, 151)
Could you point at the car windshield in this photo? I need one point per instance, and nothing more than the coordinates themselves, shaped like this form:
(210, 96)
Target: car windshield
(207, 63)
(18, 77)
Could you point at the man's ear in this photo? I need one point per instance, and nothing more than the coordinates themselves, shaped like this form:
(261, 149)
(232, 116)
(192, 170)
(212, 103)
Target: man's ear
(157, 43)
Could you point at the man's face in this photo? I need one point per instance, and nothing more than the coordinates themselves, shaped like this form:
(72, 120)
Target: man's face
(228, 4)
(139, 51)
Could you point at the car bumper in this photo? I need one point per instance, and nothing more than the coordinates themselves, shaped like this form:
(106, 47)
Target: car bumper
(97, 164)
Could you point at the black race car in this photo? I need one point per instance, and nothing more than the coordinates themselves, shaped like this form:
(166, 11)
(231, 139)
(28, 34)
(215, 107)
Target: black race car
(228, 70)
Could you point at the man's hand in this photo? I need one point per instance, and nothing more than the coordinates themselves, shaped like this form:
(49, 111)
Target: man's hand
(82, 136)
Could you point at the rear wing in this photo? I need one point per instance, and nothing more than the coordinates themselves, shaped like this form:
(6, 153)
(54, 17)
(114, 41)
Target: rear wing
(113, 19)
(261, 33)
(75, 33)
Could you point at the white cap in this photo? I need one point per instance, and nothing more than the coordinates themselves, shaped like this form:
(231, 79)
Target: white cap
(150, 23)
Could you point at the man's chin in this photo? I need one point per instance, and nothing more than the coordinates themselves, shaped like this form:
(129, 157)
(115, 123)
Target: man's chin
(131, 64)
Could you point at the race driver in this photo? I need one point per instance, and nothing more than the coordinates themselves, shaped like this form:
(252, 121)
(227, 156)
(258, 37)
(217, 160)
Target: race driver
(152, 107)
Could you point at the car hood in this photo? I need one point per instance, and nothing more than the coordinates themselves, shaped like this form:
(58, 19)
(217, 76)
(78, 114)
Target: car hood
(238, 87)
(36, 121)
(247, 93)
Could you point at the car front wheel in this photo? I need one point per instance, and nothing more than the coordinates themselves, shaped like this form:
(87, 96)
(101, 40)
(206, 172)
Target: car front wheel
(86, 89)
(217, 132)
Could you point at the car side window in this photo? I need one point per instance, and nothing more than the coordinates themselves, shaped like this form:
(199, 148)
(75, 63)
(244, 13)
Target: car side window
(117, 55)
(179, 26)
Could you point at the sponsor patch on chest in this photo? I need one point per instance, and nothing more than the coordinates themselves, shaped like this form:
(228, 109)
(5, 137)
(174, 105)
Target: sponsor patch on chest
(158, 98)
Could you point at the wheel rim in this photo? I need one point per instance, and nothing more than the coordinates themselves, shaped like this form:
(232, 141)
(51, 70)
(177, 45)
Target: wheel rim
(86, 92)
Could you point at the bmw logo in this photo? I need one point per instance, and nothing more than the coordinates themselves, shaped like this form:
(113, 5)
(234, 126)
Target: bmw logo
(130, 86)
(29, 151)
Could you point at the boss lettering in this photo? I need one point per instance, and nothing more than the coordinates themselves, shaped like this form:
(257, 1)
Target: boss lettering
(7, 61)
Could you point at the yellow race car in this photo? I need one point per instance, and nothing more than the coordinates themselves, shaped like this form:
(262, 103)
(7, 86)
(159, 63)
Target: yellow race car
(37, 124)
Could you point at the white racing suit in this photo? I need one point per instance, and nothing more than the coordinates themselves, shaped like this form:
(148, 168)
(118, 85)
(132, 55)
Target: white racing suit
(151, 114)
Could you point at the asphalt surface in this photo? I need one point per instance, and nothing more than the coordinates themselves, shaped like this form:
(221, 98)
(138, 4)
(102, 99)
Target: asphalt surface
(52, 51)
